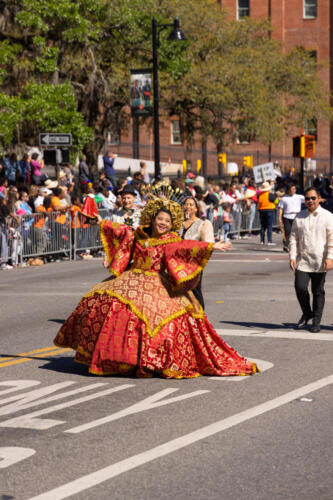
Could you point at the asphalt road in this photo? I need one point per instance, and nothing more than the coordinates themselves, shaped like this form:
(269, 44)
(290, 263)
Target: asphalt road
(67, 434)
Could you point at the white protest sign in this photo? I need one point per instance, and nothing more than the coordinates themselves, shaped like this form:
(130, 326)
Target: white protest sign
(264, 172)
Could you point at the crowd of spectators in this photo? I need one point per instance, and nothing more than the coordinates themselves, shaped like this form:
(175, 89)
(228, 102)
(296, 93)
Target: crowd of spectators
(36, 211)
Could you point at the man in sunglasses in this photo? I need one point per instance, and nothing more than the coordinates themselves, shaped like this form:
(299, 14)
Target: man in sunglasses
(311, 256)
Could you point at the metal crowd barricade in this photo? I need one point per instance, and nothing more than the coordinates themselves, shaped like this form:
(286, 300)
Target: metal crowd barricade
(55, 233)
(244, 226)
(86, 236)
(45, 234)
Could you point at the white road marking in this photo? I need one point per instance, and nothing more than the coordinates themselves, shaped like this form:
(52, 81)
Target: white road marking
(35, 398)
(17, 385)
(240, 261)
(263, 365)
(149, 403)
(88, 481)
(273, 334)
(262, 254)
(12, 454)
(30, 420)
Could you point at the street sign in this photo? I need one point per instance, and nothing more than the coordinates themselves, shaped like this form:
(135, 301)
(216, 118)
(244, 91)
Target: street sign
(50, 139)
(264, 172)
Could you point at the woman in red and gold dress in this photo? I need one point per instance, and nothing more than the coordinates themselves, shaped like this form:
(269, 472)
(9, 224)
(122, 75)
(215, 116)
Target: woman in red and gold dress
(147, 321)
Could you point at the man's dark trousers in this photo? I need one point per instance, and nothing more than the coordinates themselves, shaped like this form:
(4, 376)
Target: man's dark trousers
(287, 224)
(317, 287)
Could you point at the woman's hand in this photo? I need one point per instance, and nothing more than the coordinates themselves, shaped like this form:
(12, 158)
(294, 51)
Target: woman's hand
(222, 246)
(105, 262)
(99, 219)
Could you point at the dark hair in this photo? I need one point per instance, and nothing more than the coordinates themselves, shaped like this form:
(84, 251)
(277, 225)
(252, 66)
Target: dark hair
(56, 191)
(165, 210)
(23, 192)
(75, 195)
(47, 202)
(312, 188)
(290, 185)
(226, 205)
(198, 192)
(149, 229)
(196, 204)
(34, 156)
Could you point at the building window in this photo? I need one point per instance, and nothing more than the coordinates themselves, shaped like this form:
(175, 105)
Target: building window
(176, 137)
(243, 8)
(311, 128)
(309, 9)
(243, 135)
(113, 139)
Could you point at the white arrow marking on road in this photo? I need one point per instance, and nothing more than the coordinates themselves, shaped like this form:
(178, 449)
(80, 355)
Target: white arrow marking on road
(95, 478)
(30, 420)
(262, 365)
(34, 398)
(147, 404)
(17, 385)
(12, 454)
(23, 401)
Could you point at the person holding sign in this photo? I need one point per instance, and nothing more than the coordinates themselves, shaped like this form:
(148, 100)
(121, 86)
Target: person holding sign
(266, 207)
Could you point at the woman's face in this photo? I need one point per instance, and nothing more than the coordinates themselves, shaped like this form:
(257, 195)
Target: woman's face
(190, 208)
(162, 224)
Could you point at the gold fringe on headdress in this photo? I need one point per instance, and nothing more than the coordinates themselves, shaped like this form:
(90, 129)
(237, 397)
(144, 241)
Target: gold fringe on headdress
(163, 198)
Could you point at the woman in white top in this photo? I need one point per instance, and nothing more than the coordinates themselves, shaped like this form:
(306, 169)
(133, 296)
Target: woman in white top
(197, 229)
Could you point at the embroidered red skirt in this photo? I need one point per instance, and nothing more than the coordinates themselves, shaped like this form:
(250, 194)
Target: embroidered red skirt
(133, 324)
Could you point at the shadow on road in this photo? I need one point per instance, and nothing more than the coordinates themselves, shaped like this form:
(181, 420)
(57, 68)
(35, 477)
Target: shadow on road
(68, 365)
(60, 321)
(254, 324)
(65, 364)
(270, 326)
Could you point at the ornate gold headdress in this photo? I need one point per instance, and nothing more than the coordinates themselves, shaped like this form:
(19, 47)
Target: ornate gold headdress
(164, 197)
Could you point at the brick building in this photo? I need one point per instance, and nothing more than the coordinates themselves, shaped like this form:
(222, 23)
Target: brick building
(306, 23)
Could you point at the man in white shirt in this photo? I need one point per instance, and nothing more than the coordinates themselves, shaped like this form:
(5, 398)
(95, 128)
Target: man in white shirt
(289, 206)
(108, 198)
(311, 256)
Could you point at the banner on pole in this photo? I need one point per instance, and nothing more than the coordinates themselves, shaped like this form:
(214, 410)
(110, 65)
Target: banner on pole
(141, 97)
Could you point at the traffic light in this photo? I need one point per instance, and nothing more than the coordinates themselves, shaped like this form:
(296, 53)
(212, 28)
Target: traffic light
(296, 147)
(184, 167)
(248, 161)
(223, 158)
(310, 146)
(299, 146)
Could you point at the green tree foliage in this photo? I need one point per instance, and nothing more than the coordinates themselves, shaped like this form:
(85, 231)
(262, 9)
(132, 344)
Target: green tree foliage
(64, 66)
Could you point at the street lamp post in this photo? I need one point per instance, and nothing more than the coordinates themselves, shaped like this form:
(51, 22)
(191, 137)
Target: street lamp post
(176, 34)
